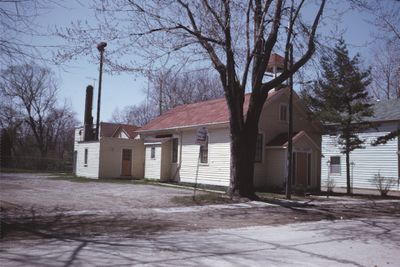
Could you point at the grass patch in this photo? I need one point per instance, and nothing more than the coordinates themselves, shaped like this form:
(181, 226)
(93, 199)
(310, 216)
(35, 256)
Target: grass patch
(267, 195)
(78, 179)
(203, 199)
(200, 186)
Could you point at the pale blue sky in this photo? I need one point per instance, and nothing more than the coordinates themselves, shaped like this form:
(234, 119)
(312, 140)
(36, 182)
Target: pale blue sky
(126, 89)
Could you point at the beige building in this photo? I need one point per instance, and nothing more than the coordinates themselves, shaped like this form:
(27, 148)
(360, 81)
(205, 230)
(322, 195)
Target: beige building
(116, 154)
(171, 152)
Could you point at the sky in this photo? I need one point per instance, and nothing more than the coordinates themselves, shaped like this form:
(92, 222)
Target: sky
(121, 90)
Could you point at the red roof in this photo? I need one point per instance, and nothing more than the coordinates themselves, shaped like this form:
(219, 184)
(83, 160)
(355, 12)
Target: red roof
(201, 113)
(110, 129)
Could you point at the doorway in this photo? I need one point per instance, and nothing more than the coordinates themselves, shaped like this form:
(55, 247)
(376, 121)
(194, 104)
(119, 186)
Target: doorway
(126, 169)
(302, 168)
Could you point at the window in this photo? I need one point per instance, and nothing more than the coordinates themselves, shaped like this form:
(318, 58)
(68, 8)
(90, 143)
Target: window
(309, 169)
(86, 157)
(334, 166)
(283, 112)
(204, 152)
(175, 150)
(126, 154)
(259, 148)
(153, 152)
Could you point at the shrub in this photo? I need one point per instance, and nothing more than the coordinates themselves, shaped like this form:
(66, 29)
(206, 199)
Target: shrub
(383, 184)
(330, 185)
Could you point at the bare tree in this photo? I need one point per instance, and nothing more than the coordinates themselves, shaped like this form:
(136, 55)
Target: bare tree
(19, 28)
(31, 93)
(134, 115)
(384, 14)
(236, 37)
(169, 89)
(386, 72)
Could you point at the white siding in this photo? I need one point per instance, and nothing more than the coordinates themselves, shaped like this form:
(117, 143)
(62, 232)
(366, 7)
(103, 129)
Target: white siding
(92, 168)
(372, 160)
(111, 157)
(152, 167)
(217, 170)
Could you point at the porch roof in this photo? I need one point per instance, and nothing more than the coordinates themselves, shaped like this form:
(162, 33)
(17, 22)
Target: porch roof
(281, 140)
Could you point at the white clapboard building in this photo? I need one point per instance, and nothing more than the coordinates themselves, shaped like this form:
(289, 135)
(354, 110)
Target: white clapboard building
(372, 160)
(172, 154)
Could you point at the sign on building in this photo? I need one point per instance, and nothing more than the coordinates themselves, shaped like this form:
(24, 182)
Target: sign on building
(201, 136)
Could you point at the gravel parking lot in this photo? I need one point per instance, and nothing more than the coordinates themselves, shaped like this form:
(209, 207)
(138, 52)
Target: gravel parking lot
(40, 213)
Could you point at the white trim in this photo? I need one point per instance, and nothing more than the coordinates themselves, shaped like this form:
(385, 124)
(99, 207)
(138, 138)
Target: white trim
(153, 143)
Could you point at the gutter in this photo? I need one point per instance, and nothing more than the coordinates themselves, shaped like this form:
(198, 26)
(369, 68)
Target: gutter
(189, 127)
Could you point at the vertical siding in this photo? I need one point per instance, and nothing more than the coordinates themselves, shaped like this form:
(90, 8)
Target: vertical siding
(152, 167)
(92, 168)
(217, 170)
(304, 145)
(368, 161)
(111, 157)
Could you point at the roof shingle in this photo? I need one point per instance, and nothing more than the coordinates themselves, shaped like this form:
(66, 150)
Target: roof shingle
(201, 113)
(109, 129)
(386, 110)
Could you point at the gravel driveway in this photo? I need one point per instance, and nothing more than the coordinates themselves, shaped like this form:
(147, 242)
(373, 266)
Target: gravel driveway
(40, 191)
(62, 223)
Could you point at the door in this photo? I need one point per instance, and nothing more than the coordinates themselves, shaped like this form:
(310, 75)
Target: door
(302, 168)
(126, 169)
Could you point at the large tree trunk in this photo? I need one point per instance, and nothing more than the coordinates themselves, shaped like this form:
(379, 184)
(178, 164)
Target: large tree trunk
(243, 148)
(348, 171)
(242, 163)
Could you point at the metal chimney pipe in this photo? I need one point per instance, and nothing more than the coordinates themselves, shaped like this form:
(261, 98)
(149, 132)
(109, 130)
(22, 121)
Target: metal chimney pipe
(88, 119)
(100, 47)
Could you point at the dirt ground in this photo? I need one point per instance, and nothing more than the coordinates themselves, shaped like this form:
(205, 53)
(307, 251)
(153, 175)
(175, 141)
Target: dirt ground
(38, 206)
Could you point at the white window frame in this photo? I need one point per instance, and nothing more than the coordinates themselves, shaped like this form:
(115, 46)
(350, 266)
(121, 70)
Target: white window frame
(85, 157)
(204, 149)
(152, 152)
(335, 172)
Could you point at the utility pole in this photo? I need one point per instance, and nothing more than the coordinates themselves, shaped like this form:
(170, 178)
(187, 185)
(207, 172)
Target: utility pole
(290, 130)
(160, 98)
(100, 47)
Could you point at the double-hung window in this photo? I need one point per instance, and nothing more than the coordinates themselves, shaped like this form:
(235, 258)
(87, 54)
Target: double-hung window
(283, 112)
(174, 150)
(85, 162)
(334, 166)
(204, 152)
